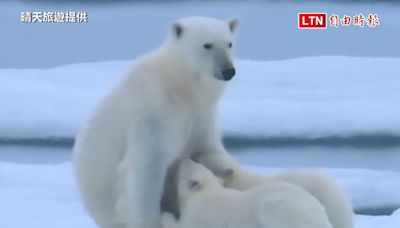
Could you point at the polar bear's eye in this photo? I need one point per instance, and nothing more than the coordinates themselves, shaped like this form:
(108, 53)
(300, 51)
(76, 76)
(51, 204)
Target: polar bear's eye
(207, 46)
(230, 45)
(193, 185)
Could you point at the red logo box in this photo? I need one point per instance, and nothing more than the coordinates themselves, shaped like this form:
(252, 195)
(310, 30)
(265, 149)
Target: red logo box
(312, 20)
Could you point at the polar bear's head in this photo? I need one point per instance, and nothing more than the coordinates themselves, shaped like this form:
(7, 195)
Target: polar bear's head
(194, 178)
(206, 45)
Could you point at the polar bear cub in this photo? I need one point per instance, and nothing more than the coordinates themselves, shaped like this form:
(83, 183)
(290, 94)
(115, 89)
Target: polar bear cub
(335, 201)
(204, 202)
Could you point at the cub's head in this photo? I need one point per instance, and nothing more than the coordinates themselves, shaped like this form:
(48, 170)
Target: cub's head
(206, 45)
(194, 178)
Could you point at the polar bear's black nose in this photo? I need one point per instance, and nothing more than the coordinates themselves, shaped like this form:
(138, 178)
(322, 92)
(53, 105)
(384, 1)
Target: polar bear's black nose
(228, 73)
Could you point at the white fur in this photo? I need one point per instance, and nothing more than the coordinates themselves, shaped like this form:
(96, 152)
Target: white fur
(322, 187)
(205, 202)
(162, 111)
(327, 191)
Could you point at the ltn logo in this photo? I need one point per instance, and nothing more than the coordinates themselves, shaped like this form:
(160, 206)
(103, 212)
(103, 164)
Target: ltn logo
(312, 20)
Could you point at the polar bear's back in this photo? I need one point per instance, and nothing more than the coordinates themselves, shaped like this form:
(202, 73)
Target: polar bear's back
(213, 208)
(101, 145)
(284, 205)
(97, 152)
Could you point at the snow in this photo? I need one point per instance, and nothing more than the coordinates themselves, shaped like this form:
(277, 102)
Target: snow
(36, 196)
(392, 221)
(368, 157)
(52, 103)
(343, 96)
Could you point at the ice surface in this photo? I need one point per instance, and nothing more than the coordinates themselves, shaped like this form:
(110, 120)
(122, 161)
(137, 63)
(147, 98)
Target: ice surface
(306, 98)
(41, 196)
(392, 221)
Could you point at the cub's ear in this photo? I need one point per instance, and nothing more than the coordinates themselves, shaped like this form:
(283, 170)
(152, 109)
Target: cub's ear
(226, 177)
(194, 185)
(228, 173)
(233, 24)
(177, 29)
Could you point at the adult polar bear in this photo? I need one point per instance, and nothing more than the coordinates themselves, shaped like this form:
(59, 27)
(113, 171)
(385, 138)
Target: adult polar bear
(164, 110)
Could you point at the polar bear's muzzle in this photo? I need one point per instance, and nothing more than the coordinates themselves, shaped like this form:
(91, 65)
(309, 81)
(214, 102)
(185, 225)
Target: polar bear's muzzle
(226, 73)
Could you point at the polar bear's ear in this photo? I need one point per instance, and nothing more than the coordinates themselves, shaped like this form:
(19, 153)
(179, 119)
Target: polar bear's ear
(228, 173)
(233, 24)
(226, 177)
(177, 29)
(194, 185)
